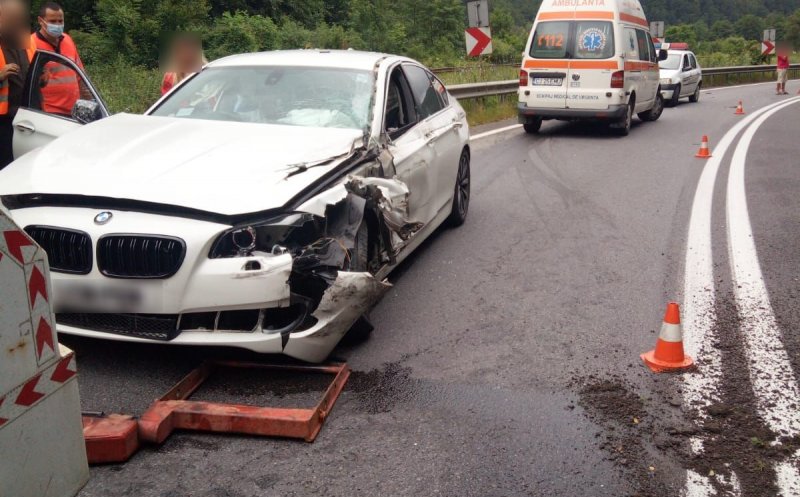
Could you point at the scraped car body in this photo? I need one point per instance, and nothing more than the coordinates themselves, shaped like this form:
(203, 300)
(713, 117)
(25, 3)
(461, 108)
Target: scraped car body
(254, 223)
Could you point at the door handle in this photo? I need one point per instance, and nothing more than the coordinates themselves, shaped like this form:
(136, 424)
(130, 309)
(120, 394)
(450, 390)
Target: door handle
(457, 125)
(25, 128)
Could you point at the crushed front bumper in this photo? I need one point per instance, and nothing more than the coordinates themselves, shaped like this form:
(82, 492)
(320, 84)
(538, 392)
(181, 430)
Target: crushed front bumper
(350, 296)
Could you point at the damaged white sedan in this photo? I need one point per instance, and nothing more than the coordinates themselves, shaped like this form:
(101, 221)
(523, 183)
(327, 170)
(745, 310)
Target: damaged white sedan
(261, 204)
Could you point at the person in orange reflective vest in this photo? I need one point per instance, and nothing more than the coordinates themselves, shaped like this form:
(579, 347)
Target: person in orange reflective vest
(16, 54)
(63, 87)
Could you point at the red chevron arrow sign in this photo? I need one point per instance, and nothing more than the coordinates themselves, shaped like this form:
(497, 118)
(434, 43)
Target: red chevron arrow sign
(479, 41)
(45, 383)
(767, 47)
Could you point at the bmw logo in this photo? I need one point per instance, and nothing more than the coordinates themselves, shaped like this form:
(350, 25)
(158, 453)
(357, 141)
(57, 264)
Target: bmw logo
(103, 218)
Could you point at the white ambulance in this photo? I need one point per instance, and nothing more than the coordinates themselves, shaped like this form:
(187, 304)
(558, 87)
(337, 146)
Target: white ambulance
(590, 60)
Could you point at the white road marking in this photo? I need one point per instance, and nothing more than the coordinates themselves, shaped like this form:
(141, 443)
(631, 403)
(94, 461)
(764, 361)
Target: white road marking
(771, 375)
(717, 88)
(699, 315)
(789, 476)
(774, 383)
(701, 389)
(697, 485)
(487, 134)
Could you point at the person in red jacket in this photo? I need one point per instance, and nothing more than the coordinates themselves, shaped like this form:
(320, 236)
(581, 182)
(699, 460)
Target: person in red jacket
(63, 87)
(783, 68)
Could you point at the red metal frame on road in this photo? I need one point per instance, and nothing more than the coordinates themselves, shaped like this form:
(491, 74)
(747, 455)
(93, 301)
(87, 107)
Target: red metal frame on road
(173, 411)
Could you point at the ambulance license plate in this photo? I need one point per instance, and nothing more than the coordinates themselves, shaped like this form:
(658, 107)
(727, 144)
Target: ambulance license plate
(547, 81)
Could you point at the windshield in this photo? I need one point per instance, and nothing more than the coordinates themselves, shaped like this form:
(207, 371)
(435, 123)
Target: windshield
(296, 96)
(673, 61)
(573, 40)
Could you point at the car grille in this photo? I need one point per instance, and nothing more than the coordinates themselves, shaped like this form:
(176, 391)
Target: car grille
(139, 256)
(162, 327)
(68, 251)
(153, 326)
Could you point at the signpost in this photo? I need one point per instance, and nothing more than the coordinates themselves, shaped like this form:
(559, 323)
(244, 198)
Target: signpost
(768, 43)
(478, 13)
(478, 35)
(657, 29)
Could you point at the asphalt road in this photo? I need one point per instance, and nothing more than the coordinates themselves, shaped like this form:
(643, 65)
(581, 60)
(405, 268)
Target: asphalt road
(505, 360)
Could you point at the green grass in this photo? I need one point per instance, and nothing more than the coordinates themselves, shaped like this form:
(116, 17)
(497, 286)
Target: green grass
(478, 74)
(490, 109)
(126, 88)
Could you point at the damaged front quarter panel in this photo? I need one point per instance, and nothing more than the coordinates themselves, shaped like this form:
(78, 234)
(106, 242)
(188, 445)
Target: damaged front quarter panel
(349, 297)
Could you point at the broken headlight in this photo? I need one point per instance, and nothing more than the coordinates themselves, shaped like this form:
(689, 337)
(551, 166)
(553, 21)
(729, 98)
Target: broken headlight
(288, 232)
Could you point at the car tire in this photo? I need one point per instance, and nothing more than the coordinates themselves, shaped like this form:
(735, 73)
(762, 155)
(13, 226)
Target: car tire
(655, 111)
(460, 208)
(676, 96)
(623, 127)
(532, 127)
(695, 97)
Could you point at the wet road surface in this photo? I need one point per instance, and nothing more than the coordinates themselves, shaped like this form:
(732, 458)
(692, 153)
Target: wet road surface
(505, 360)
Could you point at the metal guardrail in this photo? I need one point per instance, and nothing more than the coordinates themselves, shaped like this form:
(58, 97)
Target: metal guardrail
(478, 90)
(507, 87)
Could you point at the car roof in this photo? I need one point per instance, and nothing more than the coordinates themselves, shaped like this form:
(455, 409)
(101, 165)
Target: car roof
(681, 52)
(349, 59)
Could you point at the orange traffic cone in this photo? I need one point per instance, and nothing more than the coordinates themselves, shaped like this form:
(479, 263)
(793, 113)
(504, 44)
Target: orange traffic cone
(704, 152)
(668, 354)
(739, 109)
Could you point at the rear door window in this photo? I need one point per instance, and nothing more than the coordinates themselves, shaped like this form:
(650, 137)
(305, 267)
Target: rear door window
(593, 40)
(630, 44)
(693, 61)
(550, 40)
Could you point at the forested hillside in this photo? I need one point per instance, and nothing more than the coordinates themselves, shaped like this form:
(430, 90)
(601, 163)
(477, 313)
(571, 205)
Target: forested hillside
(120, 40)
(430, 30)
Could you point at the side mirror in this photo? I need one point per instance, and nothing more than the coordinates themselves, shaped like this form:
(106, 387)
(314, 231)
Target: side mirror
(662, 55)
(86, 111)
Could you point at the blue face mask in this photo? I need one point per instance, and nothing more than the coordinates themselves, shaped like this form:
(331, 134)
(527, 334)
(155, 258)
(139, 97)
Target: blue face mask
(55, 30)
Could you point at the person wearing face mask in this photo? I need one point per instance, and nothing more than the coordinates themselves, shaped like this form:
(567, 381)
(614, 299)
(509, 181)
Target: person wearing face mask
(63, 87)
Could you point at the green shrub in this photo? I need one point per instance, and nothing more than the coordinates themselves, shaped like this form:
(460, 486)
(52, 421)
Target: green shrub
(240, 33)
(125, 87)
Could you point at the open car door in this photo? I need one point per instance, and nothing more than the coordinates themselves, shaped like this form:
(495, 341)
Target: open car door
(51, 105)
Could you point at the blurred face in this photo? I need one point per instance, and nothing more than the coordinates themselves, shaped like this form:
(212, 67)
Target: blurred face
(187, 56)
(14, 24)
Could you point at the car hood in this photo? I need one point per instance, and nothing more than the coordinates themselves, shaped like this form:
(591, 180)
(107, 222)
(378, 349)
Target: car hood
(220, 167)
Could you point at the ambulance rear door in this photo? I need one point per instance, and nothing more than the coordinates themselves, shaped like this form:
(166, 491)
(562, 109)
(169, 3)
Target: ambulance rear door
(547, 64)
(592, 64)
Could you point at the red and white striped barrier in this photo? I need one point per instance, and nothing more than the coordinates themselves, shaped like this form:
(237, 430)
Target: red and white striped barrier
(41, 436)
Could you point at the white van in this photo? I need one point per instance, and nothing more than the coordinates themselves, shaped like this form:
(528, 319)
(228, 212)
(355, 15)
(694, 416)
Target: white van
(590, 60)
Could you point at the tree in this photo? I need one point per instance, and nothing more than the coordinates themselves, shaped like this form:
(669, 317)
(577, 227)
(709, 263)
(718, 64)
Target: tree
(793, 29)
(750, 27)
(681, 33)
(722, 29)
